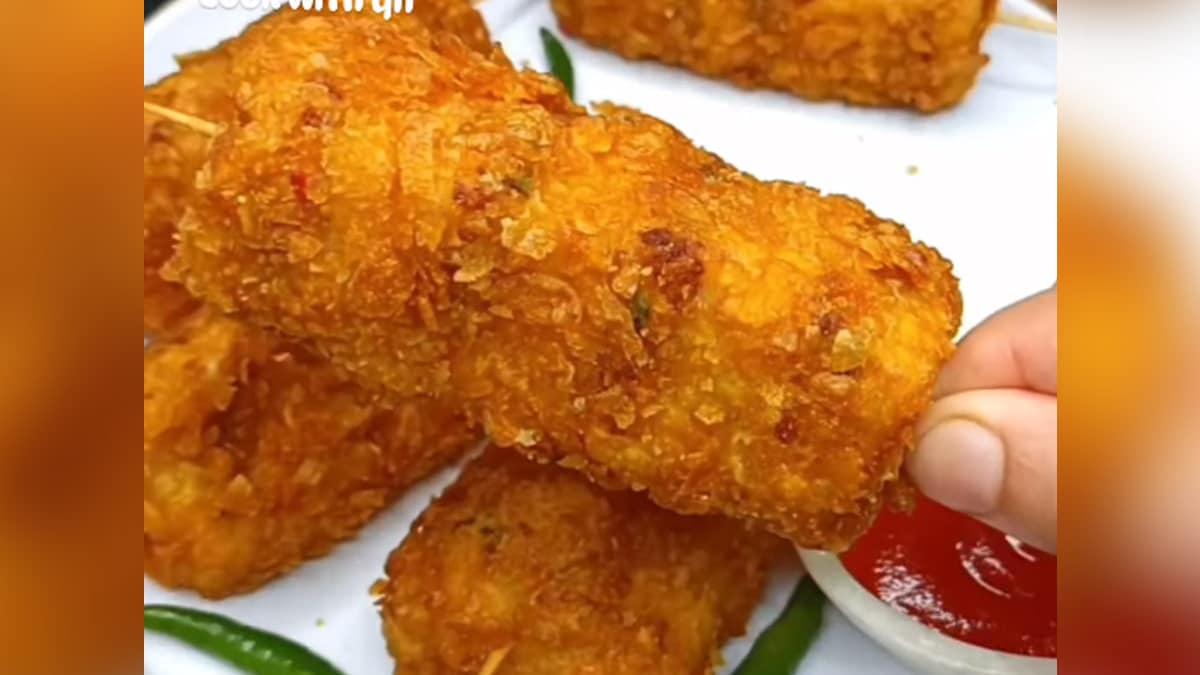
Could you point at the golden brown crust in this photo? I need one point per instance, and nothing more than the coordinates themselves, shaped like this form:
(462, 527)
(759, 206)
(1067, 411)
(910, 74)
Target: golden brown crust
(604, 294)
(566, 577)
(923, 54)
(171, 156)
(258, 455)
(172, 153)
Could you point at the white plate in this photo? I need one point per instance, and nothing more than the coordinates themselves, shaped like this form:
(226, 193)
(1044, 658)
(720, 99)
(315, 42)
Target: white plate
(984, 194)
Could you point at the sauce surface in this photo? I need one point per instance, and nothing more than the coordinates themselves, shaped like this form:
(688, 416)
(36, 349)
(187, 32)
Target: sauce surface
(962, 578)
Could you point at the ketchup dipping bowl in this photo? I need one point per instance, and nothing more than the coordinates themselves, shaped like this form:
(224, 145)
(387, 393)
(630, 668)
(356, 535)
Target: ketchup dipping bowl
(958, 597)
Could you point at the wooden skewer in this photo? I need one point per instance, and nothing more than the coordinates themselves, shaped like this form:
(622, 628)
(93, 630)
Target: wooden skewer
(493, 660)
(190, 121)
(1028, 23)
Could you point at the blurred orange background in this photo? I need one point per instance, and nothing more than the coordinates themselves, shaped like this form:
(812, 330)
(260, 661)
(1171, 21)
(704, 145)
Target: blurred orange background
(1128, 428)
(68, 476)
(1129, 432)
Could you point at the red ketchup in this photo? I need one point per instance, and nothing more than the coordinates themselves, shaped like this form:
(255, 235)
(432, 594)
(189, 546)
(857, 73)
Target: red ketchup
(962, 578)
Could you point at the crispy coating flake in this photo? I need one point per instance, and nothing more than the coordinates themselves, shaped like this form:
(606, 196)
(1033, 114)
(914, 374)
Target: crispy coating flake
(604, 294)
(172, 153)
(922, 54)
(554, 575)
(171, 156)
(258, 455)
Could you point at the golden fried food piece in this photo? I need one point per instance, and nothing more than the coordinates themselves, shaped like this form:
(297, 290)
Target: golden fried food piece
(172, 153)
(258, 455)
(550, 574)
(921, 54)
(603, 294)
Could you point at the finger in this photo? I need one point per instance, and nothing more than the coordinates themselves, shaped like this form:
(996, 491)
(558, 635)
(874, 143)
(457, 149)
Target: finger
(993, 454)
(1016, 347)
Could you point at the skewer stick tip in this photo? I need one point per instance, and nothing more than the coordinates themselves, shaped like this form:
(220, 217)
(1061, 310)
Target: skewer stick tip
(1028, 23)
(190, 121)
(493, 660)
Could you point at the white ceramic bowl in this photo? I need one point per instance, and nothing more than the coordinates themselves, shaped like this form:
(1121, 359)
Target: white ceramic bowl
(921, 648)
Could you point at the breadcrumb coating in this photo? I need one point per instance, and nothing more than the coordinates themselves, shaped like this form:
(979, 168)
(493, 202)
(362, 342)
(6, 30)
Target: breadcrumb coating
(601, 293)
(539, 570)
(173, 153)
(922, 54)
(258, 455)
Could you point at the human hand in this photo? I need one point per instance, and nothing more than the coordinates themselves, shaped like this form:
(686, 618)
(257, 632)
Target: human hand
(988, 446)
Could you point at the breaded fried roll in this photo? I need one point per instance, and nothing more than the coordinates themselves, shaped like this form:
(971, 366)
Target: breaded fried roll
(257, 455)
(602, 293)
(172, 153)
(257, 452)
(922, 54)
(539, 572)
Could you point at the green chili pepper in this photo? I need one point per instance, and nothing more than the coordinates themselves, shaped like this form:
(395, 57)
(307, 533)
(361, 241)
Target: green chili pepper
(522, 184)
(560, 61)
(250, 649)
(779, 649)
(639, 308)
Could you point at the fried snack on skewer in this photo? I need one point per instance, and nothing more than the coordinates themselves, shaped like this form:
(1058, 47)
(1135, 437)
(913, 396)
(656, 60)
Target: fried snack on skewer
(604, 294)
(258, 455)
(922, 54)
(172, 153)
(533, 567)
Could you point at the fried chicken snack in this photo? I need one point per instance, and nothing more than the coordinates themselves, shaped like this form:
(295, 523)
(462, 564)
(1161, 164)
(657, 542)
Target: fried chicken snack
(257, 455)
(602, 293)
(534, 566)
(172, 153)
(922, 54)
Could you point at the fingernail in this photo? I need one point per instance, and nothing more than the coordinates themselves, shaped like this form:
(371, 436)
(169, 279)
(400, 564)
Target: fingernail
(961, 464)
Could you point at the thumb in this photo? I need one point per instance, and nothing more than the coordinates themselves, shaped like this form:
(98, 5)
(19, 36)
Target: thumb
(993, 454)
